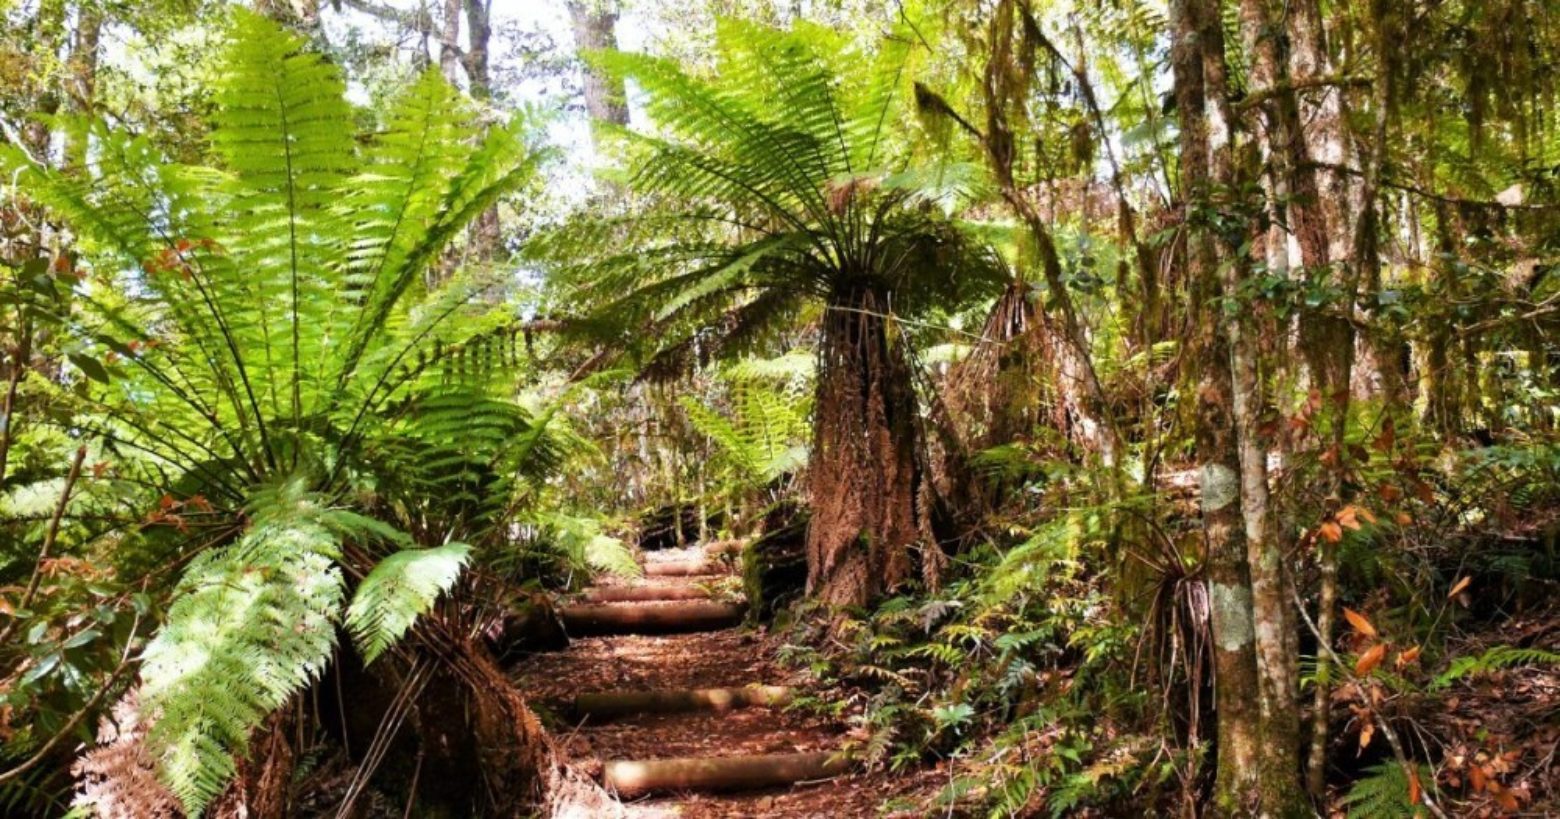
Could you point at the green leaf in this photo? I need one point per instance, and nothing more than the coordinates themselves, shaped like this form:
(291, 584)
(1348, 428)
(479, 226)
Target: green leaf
(398, 591)
(90, 367)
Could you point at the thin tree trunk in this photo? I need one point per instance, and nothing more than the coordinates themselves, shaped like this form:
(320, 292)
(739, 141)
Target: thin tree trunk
(1227, 576)
(1273, 620)
(485, 233)
(1327, 199)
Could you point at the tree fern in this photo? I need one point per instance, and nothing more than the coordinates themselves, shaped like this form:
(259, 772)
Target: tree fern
(399, 589)
(268, 315)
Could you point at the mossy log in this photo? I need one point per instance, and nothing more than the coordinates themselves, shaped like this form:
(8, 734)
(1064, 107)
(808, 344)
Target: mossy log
(530, 625)
(648, 592)
(607, 704)
(774, 568)
(735, 773)
(671, 617)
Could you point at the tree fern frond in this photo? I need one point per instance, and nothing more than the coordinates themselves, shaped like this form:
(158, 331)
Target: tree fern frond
(251, 625)
(399, 590)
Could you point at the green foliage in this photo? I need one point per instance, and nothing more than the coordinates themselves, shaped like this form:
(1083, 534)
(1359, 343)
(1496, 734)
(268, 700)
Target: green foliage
(1383, 793)
(586, 546)
(252, 624)
(248, 327)
(1492, 659)
(772, 185)
(765, 436)
(399, 590)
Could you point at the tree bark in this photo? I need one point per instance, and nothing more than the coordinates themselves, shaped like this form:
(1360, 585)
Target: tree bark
(595, 29)
(865, 475)
(1228, 580)
(485, 232)
(1276, 641)
(83, 68)
(449, 42)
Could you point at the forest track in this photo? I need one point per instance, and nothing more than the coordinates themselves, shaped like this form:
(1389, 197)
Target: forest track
(710, 740)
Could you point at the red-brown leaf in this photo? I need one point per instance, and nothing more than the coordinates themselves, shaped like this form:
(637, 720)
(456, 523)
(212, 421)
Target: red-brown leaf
(1359, 622)
(1370, 659)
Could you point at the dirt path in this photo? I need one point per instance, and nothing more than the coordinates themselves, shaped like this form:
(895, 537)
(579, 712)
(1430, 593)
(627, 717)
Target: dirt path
(716, 659)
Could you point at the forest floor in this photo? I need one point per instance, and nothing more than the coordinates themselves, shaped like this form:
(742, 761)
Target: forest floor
(713, 659)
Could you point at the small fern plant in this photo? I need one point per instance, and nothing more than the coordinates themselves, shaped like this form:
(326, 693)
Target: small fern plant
(255, 321)
(1387, 792)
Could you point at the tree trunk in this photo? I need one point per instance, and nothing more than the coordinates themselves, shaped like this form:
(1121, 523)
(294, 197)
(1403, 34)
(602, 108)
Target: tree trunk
(1227, 576)
(865, 475)
(83, 82)
(1273, 620)
(595, 29)
(449, 42)
(485, 232)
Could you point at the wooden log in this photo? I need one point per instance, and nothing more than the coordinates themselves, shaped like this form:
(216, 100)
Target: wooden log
(607, 704)
(682, 568)
(648, 592)
(718, 548)
(673, 617)
(721, 773)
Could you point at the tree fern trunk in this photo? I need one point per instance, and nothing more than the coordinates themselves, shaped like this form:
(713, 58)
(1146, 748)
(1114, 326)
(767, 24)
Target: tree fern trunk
(865, 475)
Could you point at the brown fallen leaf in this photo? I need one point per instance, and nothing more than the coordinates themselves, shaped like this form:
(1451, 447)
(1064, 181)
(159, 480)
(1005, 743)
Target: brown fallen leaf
(1370, 659)
(1358, 621)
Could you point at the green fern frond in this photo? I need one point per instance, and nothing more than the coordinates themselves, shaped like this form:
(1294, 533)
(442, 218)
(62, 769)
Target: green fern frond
(1383, 793)
(399, 590)
(1492, 659)
(250, 626)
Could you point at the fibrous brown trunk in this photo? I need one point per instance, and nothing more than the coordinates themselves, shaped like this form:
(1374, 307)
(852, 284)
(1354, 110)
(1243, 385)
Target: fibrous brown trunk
(865, 476)
(1078, 381)
(1226, 575)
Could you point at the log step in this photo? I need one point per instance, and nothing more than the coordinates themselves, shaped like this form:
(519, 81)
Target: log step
(717, 548)
(676, 617)
(607, 704)
(723, 773)
(650, 592)
(682, 568)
